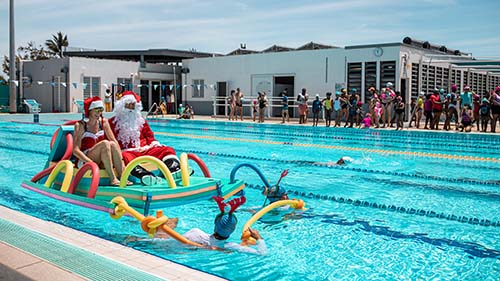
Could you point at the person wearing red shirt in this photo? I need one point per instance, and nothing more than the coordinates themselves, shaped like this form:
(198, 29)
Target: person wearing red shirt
(437, 109)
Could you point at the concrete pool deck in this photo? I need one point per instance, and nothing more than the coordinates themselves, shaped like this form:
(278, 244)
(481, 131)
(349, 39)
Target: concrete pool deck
(18, 264)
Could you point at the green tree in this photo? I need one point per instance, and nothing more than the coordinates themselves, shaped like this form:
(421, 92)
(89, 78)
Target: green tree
(29, 52)
(57, 43)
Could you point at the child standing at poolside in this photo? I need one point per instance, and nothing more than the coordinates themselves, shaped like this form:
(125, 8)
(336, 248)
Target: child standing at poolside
(316, 107)
(254, 109)
(367, 121)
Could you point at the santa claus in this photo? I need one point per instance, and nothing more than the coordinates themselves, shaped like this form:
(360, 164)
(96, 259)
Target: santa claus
(137, 139)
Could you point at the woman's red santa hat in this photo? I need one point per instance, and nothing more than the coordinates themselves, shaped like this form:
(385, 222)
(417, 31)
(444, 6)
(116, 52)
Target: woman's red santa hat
(91, 103)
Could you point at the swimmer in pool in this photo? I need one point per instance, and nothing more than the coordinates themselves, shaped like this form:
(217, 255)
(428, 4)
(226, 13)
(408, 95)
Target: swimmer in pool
(341, 162)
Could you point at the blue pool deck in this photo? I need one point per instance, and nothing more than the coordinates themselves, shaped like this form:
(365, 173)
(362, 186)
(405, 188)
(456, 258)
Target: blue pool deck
(34, 249)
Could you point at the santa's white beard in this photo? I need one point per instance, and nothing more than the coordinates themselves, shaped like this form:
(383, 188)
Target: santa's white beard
(129, 124)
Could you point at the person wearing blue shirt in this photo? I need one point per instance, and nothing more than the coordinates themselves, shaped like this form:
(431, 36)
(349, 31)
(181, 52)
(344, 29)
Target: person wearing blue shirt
(316, 108)
(466, 97)
(284, 106)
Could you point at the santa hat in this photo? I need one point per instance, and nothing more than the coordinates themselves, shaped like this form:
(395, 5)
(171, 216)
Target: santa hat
(91, 103)
(130, 96)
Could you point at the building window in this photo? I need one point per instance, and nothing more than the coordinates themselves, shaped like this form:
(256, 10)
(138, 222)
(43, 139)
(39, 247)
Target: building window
(387, 73)
(198, 88)
(414, 80)
(91, 86)
(370, 78)
(124, 84)
(354, 76)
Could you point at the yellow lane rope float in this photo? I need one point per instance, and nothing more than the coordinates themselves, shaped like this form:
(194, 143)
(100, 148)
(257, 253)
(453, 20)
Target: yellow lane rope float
(324, 146)
(149, 224)
(245, 233)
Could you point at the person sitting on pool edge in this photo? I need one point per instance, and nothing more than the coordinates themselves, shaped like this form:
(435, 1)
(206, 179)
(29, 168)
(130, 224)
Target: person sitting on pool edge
(224, 226)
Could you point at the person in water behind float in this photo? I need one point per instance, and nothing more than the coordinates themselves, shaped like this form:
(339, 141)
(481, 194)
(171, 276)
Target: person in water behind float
(224, 225)
(137, 139)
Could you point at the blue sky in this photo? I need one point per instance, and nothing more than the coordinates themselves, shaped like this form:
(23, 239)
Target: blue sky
(220, 26)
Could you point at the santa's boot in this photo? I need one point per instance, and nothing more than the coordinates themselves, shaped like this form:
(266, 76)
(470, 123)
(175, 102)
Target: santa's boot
(146, 177)
(174, 165)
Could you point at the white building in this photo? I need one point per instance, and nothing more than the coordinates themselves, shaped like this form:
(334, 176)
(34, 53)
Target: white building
(57, 83)
(412, 66)
(201, 78)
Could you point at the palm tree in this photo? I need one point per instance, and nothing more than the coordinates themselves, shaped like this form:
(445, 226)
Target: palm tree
(57, 43)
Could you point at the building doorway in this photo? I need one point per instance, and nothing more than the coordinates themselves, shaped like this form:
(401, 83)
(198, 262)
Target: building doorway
(221, 94)
(155, 93)
(280, 84)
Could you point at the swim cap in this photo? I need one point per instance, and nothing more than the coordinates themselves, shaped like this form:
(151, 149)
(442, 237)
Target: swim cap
(337, 93)
(441, 91)
(317, 95)
(497, 89)
(485, 100)
(354, 90)
(347, 159)
(422, 93)
(467, 87)
(454, 87)
(448, 95)
(225, 223)
(275, 193)
(389, 84)
(344, 90)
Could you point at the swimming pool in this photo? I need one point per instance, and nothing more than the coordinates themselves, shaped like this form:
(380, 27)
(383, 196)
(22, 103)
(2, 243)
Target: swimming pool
(412, 205)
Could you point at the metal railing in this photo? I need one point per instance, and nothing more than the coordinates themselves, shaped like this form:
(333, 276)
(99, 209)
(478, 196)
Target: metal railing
(273, 102)
(154, 107)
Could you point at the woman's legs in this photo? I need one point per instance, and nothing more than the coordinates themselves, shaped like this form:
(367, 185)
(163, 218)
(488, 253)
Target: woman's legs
(101, 153)
(116, 156)
(418, 118)
(494, 122)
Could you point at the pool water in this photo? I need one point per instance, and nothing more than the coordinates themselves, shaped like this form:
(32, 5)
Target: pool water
(411, 205)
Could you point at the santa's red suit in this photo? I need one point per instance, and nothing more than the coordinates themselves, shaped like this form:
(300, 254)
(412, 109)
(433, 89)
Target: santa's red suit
(148, 144)
(133, 132)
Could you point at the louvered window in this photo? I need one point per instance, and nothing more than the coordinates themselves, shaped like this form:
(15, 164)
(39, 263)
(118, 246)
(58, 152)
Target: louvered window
(354, 76)
(370, 78)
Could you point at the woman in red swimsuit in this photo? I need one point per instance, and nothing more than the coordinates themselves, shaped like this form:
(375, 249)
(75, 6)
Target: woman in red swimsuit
(95, 142)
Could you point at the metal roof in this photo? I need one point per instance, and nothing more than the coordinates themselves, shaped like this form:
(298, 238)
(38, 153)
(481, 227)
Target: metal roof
(151, 55)
(491, 66)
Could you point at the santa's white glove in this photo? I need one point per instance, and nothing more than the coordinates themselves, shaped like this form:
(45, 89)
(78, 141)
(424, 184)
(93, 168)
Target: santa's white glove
(154, 144)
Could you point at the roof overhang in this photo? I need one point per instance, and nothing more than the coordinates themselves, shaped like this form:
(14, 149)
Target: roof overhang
(151, 55)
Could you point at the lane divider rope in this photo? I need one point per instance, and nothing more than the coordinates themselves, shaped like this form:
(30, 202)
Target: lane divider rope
(391, 208)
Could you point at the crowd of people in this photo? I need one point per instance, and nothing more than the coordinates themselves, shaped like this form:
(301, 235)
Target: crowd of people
(385, 108)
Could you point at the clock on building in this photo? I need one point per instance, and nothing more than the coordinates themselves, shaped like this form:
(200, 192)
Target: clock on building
(378, 51)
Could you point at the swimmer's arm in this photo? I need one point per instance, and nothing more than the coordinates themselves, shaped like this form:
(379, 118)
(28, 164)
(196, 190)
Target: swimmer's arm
(260, 250)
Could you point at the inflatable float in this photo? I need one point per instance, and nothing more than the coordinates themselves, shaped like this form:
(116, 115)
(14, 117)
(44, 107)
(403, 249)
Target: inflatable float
(89, 186)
